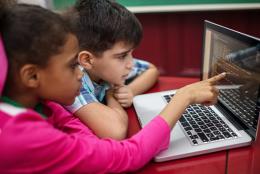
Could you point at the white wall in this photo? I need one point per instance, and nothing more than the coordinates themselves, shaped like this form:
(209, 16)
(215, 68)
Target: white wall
(43, 3)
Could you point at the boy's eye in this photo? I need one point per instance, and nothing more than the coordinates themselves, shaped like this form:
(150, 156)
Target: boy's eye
(122, 56)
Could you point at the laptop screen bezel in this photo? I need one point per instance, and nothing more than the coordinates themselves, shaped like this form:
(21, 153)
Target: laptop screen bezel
(205, 73)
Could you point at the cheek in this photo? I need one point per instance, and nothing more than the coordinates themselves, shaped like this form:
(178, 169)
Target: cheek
(66, 79)
(111, 69)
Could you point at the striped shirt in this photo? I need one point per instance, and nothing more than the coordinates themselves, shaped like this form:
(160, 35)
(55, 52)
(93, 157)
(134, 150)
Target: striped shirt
(93, 92)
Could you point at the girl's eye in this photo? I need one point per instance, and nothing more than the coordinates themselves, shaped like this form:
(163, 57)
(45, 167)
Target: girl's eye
(74, 65)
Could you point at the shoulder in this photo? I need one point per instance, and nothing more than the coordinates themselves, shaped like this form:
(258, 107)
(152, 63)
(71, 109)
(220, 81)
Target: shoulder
(16, 120)
(139, 66)
(86, 96)
(87, 83)
(140, 63)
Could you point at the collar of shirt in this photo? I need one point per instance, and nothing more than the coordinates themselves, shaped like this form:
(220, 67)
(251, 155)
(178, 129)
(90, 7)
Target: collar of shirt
(38, 108)
(98, 89)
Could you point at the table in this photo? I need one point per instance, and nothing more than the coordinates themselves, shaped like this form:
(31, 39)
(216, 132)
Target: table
(214, 163)
(245, 160)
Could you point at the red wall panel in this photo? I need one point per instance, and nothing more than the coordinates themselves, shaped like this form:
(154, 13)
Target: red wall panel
(173, 41)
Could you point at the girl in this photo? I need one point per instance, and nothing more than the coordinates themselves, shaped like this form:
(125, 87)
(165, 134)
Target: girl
(37, 135)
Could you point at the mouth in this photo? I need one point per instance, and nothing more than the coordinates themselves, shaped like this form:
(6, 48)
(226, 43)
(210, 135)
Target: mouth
(78, 90)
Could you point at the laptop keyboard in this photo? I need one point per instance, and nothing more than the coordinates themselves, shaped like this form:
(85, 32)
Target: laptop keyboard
(202, 125)
(243, 107)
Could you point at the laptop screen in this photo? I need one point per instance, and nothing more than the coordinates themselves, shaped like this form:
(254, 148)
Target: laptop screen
(238, 54)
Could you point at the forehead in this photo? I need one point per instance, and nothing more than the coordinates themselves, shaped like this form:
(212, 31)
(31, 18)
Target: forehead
(71, 45)
(121, 45)
(68, 50)
(118, 48)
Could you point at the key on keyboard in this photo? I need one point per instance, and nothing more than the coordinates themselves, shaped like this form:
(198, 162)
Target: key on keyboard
(202, 125)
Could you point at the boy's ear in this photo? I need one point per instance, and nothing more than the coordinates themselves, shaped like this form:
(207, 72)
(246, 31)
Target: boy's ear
(86, 59)
(29, 75)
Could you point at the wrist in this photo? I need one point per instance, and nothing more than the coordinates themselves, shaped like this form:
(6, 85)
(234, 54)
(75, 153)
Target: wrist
(109, 93)
(184, 97)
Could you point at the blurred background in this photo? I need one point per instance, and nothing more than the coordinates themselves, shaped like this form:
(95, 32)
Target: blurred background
(173, 29)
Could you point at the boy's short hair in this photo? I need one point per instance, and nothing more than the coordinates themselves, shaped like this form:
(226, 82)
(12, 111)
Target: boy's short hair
(100, 24)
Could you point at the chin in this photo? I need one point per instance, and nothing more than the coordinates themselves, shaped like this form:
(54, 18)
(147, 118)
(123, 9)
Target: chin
(71, 102)
(68, 102)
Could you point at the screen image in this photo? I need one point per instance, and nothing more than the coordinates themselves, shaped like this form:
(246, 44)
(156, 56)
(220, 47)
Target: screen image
(238, 55)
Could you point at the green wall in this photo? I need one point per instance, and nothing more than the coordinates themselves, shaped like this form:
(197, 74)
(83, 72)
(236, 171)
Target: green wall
(61, 4)
(180, 2)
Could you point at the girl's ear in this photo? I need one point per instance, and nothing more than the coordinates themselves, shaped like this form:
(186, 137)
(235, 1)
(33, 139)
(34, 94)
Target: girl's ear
(29, 75)
(86, 59)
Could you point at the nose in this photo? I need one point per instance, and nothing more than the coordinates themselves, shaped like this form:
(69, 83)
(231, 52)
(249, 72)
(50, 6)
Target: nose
(130, 63)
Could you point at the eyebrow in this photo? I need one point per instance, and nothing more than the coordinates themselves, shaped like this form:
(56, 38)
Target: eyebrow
(123, 53)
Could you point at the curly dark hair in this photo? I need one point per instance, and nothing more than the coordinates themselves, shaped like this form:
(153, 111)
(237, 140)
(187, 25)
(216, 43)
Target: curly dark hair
(99, 24)
(31, 34)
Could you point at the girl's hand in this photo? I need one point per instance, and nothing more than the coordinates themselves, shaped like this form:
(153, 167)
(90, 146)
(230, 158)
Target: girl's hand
(203, 92)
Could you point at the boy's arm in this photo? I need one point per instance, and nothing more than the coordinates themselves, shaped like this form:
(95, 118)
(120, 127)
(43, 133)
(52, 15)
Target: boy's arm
(145, 75)
(144, 81)
(109, 121)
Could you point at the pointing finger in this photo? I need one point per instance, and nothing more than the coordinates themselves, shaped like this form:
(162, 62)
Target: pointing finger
(215, 79)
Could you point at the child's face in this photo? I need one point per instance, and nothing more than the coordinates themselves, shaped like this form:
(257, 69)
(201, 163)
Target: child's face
(61, 79)
(114, 65)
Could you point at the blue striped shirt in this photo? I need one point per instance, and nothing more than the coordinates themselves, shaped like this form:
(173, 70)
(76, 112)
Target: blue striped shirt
(93, 92)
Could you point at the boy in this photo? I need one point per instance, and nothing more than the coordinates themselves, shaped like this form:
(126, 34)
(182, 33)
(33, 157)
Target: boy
(108, 34)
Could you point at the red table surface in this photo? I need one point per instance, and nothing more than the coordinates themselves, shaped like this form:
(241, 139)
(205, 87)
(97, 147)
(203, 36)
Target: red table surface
(245, 160)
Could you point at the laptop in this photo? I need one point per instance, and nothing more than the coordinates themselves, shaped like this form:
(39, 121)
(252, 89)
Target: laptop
(234, 120)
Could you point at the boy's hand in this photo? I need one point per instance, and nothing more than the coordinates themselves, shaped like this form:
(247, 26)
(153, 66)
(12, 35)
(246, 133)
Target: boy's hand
(124, 95)
(203, 92)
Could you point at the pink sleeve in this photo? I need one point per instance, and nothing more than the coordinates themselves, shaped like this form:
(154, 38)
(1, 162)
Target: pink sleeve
(38, 146)
(88, 153)
(106, 154)
(133, 153)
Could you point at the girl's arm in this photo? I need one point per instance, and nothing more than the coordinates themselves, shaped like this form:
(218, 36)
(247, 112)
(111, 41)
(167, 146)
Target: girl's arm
(42, 147)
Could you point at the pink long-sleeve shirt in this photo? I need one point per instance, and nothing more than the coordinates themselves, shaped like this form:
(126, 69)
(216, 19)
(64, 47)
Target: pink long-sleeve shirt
(62, 144)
